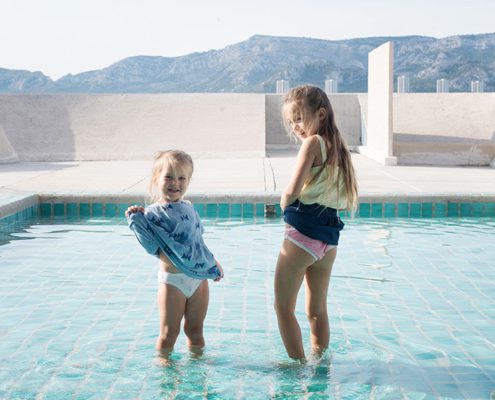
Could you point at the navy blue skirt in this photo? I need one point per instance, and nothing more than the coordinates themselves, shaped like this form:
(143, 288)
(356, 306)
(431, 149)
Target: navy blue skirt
(315, 221)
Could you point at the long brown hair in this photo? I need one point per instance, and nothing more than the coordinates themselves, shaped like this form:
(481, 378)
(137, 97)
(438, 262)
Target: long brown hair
(306, 101)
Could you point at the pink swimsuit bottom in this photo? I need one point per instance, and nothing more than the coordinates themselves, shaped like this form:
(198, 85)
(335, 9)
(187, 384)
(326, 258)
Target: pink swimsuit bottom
(316, 248)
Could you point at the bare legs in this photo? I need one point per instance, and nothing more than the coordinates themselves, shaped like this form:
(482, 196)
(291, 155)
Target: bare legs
(194, 317)
(317, 281)
(173, 305)
(293, 265)
(289, 274)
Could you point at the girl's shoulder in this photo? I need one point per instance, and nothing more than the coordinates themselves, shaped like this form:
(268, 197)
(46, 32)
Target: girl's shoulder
(162, 207)
(171, 211)
(314, 143)
(312, 146)
(181, 207)
(163, 204)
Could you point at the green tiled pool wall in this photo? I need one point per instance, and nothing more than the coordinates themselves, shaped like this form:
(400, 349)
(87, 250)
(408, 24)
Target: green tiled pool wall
(83, 210)
(248, 210)
(253, 210)
(427, 209)
(112, 210)
(235, 210)
(26, 214)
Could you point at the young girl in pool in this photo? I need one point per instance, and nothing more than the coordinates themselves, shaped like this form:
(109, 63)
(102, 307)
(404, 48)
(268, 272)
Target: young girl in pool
(170, 229)
(322, 183)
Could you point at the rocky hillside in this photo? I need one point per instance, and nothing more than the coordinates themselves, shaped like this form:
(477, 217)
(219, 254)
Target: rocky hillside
(255, 64)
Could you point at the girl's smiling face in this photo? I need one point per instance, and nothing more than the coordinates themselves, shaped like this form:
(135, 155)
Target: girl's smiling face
(174, 182)
(302, 124)
(298, 127)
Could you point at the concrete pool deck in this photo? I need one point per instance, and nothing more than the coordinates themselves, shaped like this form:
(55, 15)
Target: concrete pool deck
(224, 179)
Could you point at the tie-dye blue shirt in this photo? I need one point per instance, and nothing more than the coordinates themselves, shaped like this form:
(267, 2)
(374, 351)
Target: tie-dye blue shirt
(176, 230)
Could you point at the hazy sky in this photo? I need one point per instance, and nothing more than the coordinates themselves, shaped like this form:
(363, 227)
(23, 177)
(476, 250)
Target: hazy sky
(58, 37)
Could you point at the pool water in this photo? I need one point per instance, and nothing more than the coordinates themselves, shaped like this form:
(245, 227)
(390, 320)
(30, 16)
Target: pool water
(411, 305)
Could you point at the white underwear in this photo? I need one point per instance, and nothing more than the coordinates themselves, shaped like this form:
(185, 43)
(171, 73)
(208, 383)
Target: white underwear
(181, 281)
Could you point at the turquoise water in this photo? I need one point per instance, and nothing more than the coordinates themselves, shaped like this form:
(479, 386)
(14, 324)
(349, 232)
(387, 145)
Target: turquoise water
(411, 304)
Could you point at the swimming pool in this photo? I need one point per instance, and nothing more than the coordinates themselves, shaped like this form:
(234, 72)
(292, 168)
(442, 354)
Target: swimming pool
(411, 304)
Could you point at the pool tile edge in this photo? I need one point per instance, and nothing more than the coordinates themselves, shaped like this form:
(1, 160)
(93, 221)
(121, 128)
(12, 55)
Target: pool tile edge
(12, 203)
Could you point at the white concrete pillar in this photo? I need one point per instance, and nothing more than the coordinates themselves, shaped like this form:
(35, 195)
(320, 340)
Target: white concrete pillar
(283, 86)
(331, 86)
(402, 84)
(443, 86)
(477, 86)
(378, 143)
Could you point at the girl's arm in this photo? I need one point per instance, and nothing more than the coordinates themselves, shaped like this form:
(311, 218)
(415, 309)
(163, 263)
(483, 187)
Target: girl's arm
(202, 229)
(140, 226)
(305, 159)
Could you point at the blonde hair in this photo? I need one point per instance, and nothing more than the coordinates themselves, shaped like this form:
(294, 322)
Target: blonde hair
(304, 102)
(163, 159)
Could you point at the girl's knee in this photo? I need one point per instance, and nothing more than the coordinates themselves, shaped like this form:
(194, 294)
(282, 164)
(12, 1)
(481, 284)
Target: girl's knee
(193, 330)
(195, 335)
(283, 309)
(316, 315)
(167, 338)
(166, 342)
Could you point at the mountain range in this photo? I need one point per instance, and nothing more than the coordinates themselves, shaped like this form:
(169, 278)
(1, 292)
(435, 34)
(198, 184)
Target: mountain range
(254, 66)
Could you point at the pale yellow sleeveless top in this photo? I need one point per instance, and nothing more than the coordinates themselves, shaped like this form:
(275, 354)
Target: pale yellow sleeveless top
(323, 190)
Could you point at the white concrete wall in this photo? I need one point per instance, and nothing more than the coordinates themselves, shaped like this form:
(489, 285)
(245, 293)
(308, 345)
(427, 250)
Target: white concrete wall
(379, 133)
(444, 128)
(276, 133)
(458, 115)
(430, 128)
(61, 127)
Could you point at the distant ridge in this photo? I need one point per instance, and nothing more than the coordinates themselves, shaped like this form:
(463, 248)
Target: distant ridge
(255, 64)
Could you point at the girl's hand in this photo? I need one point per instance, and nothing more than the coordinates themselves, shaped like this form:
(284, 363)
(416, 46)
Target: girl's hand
(133, 210)
(283, 203)
(221, 272)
